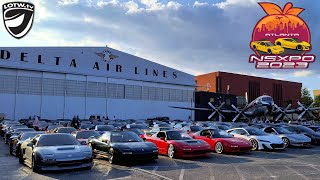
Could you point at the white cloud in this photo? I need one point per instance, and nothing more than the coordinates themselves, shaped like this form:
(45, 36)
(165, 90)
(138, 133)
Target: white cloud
(197, 4)
(103, 3)
(228, 3)
(303, 73)
(173, 5)
(67, 2)
(152, 4)
(132, 7)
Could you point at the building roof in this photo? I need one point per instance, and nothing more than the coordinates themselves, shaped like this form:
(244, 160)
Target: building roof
(92, 61)
(217, 72)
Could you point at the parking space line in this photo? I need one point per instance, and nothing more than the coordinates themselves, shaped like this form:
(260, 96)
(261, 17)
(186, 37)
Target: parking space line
(181, 174)
(268, 172)
(239, 173)
(155, 169)
(301, 175)
(211, 173)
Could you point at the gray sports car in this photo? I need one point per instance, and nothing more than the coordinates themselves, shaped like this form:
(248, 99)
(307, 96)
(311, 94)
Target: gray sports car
(289, 138)
(55, 152)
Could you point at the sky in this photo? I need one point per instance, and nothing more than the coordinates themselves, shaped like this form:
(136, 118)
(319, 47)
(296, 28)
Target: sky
(196, 37)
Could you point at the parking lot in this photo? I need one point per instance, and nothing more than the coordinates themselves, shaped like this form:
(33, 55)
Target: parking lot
(292, 163)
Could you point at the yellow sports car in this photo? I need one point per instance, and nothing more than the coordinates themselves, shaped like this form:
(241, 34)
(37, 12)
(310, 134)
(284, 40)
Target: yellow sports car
(293, 43)
(267, 47)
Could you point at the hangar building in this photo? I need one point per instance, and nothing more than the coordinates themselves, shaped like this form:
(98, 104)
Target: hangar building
(283, 92)
(60, 82)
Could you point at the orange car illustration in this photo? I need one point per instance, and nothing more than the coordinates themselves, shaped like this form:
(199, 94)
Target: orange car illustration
(267, 47)
(293, 43)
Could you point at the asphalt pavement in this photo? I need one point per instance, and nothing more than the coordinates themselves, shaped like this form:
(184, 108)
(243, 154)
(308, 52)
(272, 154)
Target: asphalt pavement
(290, 164)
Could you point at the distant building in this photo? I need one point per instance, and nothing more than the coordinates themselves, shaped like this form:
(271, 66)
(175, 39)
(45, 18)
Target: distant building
(316, 93)
(283, 92)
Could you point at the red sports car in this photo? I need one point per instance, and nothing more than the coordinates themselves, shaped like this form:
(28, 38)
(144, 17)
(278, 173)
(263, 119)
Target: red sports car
(175, 143)
(222, 142)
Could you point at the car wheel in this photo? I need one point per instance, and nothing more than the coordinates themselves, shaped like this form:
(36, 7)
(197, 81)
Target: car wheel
(93, 154)
(21, 158)
(254, 47)
(112, 159)
(11, 149)
(171, 151)
(299, 48)
(286, 142)
(34, 165)
(278, 43)
(218, 147)
(269, 51)
(254, 143)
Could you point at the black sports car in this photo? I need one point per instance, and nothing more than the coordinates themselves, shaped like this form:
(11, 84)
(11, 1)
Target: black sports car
(120, 146)
(17, 131)
(15, 143)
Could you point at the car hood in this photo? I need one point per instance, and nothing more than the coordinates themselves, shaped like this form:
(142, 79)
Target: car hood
(64, 152)
(190, 143)
(304, 43)
(298, 137)
(134, 146)
(270, 138)
(236, 141)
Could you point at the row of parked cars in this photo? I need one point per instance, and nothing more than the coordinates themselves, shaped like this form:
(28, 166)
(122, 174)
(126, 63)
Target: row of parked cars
(58, 146)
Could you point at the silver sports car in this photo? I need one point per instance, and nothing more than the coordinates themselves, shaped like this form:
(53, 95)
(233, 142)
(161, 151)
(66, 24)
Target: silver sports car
(289, 138)
(55, 152)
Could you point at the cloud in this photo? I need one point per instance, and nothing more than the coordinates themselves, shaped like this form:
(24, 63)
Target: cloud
(67, 2)
(303, 73)
(197, 3)
(228, 3)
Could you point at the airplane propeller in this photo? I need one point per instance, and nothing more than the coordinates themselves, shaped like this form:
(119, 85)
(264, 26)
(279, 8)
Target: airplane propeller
(306, 110)
(282, 112)
(240, 113)
(216, 110)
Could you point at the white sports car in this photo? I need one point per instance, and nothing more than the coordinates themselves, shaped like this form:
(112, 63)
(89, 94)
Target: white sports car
(259, 139)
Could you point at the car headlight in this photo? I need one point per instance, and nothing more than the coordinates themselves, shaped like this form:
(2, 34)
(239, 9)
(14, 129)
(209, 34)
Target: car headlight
(127, 153)
(155, 150)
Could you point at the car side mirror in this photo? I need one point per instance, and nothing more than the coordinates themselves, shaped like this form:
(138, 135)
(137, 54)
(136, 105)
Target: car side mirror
(163, 138)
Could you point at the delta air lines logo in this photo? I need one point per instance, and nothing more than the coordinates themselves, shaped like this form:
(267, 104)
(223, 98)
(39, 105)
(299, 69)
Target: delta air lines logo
(281, 39)
(18, 18)
(106, 55)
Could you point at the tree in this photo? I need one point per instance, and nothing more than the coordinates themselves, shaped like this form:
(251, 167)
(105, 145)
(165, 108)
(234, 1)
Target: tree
(306, 98)
(317, 101)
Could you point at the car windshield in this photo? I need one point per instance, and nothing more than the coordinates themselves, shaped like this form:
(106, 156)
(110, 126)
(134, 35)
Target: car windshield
(86, 134)
(282, 130)
(57, 140)
(137, 131)
(66, 130)
(24, 130)
(106, 128)
(293, 129)
(305, 129)
(25, 136)
(256, 132)
(223, 127)
(52, 127)
(177, 135)
(164, 125)
(269, 44)
(297, 40)
(125, 137)
(195, 128)
(137, 126)
(217, 133)
(85, 126)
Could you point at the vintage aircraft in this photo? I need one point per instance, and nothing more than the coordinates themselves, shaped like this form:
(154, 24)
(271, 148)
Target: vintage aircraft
(260, 107)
